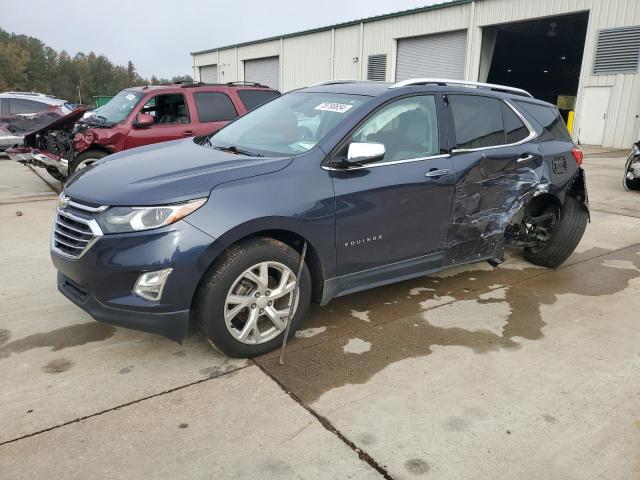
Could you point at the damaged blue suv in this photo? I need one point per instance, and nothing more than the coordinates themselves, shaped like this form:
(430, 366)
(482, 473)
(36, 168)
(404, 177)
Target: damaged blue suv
(382, 182)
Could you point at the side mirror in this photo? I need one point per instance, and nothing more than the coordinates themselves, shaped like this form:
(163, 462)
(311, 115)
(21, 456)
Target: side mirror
(143, 120)
(364, 152)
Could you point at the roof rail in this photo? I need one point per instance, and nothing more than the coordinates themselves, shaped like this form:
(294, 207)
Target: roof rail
(333, 82)
(464, 83)
(246, 84)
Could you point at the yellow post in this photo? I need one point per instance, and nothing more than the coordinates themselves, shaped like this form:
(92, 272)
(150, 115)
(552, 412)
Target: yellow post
(570, 121)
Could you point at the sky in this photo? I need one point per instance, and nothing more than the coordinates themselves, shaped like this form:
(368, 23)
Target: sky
(158, 36)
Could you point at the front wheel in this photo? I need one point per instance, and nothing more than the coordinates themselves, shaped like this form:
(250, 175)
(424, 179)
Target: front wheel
(85, 159)
(244, 300)
(563, 235)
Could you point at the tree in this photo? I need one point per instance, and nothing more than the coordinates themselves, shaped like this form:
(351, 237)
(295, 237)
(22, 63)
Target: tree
(13, 67)
(26, 63)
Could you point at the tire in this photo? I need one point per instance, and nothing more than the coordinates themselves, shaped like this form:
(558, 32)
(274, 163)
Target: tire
(214, 312)
(84, 159)
(564, 239)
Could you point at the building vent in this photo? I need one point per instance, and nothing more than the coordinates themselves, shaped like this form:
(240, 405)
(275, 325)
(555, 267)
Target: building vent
(617, 51)
(377, 68)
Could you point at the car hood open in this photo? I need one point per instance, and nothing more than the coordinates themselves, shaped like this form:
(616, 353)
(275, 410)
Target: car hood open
(164, 173)
(34, 124)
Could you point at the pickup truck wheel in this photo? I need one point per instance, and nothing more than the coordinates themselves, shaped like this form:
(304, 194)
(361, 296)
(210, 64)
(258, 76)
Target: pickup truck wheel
(85, 159)
(563, 238)
(244, 300)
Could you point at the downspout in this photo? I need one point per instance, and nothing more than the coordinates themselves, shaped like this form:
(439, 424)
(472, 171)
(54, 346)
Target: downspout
(218, 66)
(333, 53)
(471, 33)
(361, 49)
(281, 68)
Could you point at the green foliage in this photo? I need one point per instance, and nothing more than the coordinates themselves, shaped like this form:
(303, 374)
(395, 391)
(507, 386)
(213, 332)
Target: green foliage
(27, 64)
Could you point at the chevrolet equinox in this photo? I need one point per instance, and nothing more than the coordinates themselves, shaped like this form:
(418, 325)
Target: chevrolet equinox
(382, 182)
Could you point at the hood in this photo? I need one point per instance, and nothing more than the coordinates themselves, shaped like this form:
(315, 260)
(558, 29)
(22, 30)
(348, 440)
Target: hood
(164, 173)
(34, 124)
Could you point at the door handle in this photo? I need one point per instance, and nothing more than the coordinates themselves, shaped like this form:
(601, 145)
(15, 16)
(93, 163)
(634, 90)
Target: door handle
(437, 173)
(188, 133)
(525, 158)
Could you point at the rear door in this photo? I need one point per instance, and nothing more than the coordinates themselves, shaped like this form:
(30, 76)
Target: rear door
(496, 166)
(398, 208)
(172, 120)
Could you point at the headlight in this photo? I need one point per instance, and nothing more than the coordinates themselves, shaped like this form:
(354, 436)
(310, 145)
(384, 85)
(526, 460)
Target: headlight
(130, 219)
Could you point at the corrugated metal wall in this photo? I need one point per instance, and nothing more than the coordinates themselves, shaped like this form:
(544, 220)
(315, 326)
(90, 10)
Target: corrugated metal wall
(330, 54)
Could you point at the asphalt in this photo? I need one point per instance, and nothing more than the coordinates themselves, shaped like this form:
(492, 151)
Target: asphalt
(514, 372)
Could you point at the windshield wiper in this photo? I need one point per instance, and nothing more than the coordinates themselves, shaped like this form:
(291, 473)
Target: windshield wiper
(236, 150)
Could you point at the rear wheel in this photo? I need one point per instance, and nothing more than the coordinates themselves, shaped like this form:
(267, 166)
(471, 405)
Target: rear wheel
(243, 302)
(559, 237)
(85, 159)
(629, 182)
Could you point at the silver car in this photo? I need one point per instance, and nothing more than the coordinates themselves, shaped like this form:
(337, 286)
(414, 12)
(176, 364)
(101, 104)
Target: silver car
(24, 111)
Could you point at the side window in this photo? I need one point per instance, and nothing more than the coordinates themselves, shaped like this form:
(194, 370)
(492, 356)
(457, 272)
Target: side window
(254, 98)
(214, 107)
(477, 121)
(514, 128)
(408, 128)
(18, 105)
(549, 118)
(167, 109)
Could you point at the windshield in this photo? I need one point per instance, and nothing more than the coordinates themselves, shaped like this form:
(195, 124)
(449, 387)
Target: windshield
(289, 125)
(117, 109)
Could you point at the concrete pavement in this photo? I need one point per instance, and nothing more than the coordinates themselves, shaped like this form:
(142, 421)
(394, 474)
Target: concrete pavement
(515, 372)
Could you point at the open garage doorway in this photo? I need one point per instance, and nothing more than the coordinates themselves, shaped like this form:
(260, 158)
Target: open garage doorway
(543, 56)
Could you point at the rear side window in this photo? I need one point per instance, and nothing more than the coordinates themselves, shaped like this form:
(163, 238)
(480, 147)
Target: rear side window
(549, 118)
(254, 98)
(214, 107)
(478, 121)
(514, 128)
(18, 105)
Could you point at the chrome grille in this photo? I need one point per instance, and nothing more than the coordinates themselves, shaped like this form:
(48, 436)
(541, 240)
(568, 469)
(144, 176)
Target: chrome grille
(75, 228)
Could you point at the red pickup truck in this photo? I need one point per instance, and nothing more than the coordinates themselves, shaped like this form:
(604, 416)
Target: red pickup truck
(134, 117)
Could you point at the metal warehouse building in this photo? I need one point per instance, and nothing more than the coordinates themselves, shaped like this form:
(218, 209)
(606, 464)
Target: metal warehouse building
(579, 54)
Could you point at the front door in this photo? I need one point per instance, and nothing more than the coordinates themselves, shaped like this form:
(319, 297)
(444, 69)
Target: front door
(397, 208)
(172, 120)
(593, 115)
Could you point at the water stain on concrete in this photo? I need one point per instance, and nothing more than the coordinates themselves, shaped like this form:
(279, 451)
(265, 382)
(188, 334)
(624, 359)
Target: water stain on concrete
(217, 370)
(456, 424)
(125, 370)
(417, 466)
(61, 338)
(5, 336)
(549, 418)
(366, 439)
(58, 365)
(395, 335)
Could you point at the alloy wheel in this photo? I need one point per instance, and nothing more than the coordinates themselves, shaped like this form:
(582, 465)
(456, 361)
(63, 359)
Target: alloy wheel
(257, 305)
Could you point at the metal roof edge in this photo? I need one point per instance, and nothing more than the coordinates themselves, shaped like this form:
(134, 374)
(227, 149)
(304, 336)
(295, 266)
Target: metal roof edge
(401, 13)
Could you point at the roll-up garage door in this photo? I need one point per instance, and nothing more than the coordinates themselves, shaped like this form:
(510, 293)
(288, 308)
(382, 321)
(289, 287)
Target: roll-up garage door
(437, 56)
(265, 71)
(209, 74)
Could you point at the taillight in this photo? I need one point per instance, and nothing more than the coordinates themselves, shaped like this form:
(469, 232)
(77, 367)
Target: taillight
(577, 155)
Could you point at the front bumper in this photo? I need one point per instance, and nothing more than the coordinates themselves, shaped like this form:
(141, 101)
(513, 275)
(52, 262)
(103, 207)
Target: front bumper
(101, 281)
(38, 158)
(173, 325)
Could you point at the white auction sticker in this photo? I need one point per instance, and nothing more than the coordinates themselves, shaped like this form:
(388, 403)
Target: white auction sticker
(131, 96)
(333, 107)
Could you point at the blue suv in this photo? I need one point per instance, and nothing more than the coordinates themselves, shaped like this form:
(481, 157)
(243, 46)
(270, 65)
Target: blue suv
(381, 182)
